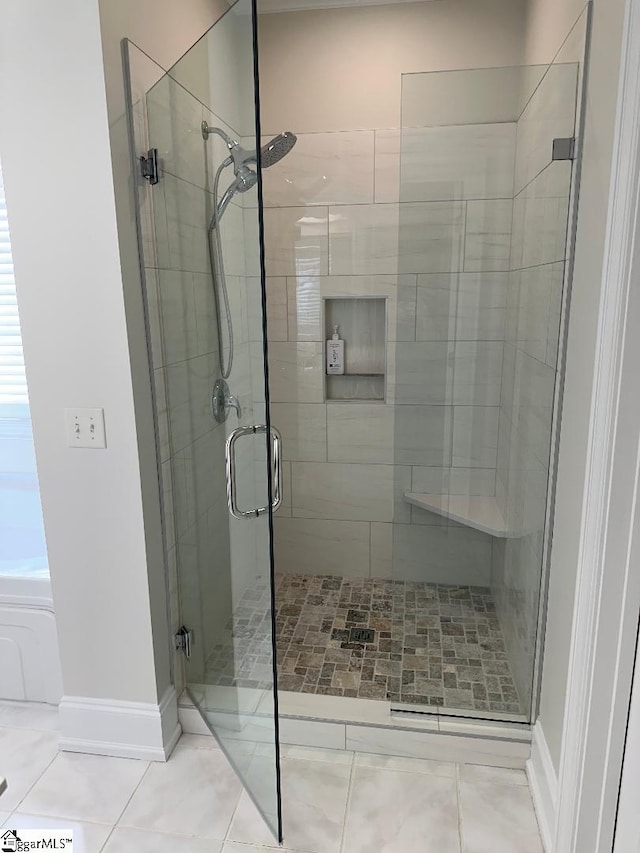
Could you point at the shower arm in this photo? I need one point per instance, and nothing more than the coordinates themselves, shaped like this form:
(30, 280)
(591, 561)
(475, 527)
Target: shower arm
(208, 129)
(238, 155)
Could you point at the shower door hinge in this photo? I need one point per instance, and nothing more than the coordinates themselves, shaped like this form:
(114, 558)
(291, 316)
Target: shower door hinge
(564, 148)
(149, 166)
(184, 641)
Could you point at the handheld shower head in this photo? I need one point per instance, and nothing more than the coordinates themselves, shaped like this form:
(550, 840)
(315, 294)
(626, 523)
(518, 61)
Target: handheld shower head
(246, 178)
(279, 147)
(270, 154)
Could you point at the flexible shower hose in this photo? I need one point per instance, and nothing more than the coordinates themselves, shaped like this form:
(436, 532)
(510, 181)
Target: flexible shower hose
(219, 281)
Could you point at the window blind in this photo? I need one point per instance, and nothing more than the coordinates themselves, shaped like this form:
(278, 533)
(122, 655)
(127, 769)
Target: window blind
(13, 381)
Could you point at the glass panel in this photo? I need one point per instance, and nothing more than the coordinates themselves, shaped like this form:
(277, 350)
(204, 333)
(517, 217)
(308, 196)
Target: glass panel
(204, 328)
(23, 551)
(483, 220)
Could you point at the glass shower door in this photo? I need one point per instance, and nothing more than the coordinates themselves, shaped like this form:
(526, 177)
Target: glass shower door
(199, 236)
(490, 154)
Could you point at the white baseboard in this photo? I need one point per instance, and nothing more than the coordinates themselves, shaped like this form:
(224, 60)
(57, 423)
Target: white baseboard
(543, 782)
(122, 729)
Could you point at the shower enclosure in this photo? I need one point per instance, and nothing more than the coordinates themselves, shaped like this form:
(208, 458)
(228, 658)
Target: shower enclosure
(419, 484)
(378, 535)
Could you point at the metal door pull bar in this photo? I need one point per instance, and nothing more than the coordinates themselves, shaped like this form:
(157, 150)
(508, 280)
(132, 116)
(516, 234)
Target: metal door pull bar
(230, 470)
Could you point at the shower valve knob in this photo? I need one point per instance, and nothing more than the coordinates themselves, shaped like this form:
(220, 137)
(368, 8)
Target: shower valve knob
(222, 401)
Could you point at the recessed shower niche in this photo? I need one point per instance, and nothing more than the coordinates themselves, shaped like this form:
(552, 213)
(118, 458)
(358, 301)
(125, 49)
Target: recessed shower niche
(361, 325)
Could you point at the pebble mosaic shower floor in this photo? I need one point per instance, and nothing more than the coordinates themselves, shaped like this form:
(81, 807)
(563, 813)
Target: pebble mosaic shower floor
(411, 643)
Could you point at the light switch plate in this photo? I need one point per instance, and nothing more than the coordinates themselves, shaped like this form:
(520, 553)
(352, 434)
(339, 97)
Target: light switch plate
(85, 428)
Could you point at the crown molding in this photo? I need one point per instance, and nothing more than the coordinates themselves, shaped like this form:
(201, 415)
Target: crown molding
(266, 7)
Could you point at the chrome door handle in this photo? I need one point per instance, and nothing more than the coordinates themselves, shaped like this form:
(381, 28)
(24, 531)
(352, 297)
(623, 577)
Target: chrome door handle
(230, 470)
(276, 458)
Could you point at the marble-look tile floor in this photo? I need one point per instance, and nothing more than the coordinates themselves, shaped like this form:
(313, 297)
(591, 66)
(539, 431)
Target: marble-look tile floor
(333, 801)
(431, 645)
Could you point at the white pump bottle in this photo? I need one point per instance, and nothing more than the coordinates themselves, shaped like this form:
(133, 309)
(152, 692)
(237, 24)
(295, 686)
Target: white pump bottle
(335, 354)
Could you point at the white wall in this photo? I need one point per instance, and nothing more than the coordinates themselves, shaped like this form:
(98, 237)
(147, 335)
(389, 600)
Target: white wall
(339, 69)
(548, 25)
(83, 338)
(69, 284)
(164, 29)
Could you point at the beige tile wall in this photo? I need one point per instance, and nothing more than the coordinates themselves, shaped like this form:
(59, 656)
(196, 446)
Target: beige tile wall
(343, 219)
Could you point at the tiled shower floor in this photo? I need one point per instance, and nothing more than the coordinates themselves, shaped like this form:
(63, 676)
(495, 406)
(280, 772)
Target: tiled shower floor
(432, 645)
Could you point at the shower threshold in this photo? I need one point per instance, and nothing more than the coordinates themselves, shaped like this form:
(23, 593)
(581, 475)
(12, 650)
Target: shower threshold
(357, 725)
(380, 713)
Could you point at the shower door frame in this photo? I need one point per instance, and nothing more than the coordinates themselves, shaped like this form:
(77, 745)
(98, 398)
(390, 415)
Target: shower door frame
(556, 424)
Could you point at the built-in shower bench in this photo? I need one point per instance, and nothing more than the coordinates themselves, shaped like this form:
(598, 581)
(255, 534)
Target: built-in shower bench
(479, 512)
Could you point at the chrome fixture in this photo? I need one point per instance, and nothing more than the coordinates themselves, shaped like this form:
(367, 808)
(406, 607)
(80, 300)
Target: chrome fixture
(222, 400)
(230, 469)
(245, 179)
(149, 166)
(183, 641)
